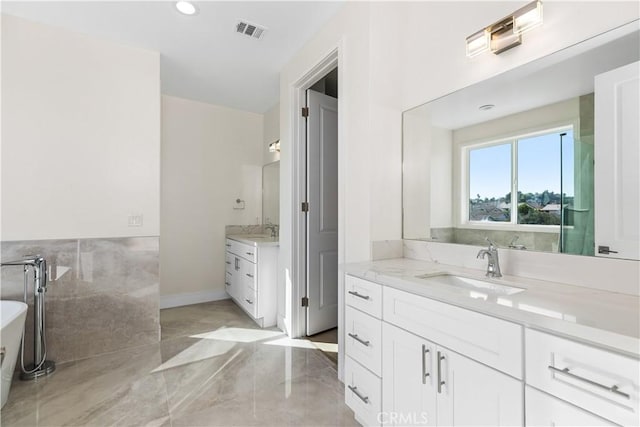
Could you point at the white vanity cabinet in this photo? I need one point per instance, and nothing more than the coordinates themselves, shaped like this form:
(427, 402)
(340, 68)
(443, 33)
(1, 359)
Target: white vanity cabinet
(425, 361)
(250, 279)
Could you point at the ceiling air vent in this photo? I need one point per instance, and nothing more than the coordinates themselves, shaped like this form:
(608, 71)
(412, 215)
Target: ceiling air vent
(249, 29)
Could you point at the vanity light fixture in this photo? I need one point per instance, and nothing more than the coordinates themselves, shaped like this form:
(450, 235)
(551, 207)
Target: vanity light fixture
(274, 147)
(478, 43)
(507, 32)
(186, 7)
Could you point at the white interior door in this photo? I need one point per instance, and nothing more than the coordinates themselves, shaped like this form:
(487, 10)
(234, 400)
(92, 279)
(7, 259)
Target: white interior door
(322, 217)
(617, 155)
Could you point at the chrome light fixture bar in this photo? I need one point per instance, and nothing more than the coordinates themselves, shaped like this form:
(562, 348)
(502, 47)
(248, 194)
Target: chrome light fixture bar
(507, 32)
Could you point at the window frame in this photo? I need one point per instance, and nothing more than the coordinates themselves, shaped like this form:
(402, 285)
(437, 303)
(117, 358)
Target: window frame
(462, 195)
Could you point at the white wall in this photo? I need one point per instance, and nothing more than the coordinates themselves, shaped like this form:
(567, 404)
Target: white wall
(211, 156)
(271, 132)
(80, 135)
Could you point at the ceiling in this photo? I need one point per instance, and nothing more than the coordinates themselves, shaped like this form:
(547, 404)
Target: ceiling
(202, 56)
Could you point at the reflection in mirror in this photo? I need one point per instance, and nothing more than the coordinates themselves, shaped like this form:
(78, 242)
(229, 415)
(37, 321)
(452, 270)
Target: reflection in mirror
(271, 193)
(512, 158)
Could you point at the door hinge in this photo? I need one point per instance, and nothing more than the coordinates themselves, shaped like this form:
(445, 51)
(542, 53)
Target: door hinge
(305, 111)
(305, 302)
(305, 206)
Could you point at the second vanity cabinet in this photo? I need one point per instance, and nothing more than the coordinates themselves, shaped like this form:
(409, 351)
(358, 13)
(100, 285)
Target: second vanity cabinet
(250, 279)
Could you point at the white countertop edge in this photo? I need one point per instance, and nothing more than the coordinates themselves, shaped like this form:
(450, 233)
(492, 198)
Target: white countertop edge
(405, 281)
(258, 242)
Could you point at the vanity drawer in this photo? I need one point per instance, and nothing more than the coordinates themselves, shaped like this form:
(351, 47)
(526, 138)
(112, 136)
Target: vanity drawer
(494, 342)
(545, 410)
(364, 339)
(601, 381)
(248, 273)
(362, 392)
(250, 301)
(229, 262)
(243, 250)
(364, 295)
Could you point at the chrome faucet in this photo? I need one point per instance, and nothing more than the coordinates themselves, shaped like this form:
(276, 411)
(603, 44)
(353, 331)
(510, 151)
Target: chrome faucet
(493, 265)
(274, 229)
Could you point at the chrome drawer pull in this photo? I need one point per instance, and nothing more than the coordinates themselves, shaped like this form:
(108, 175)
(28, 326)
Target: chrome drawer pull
(250, 275)
(425, 374)
(250, 253)
(228, 262)
(249, 301)
(612, 389)
(355, 294)
(360, 340)
(440, 382)
(228, 245)
(365, 399)
(227, 283)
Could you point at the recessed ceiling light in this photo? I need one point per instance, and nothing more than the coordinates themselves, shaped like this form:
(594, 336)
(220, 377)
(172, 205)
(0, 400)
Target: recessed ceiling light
(186, 8)
(486, 107)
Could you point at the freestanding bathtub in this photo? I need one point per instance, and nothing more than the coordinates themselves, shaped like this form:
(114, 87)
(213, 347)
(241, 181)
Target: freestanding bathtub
(13, 314)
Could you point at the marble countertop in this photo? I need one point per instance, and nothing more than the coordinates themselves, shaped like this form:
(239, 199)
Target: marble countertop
(606, 319)
(258, 240)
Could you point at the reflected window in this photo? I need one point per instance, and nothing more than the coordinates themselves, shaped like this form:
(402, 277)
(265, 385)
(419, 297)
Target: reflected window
(538, 168)
(489, 181)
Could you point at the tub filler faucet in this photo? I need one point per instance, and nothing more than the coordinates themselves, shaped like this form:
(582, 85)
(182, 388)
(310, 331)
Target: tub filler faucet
(41, 366)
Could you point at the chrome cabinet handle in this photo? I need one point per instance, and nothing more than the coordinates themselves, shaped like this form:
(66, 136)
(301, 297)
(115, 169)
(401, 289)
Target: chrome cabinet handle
(249, 301)
(237, 262)
(228, 245)
(227, 283)
(360, 340)
(249, 253)
(3, 351)
(612, 389)
(425, 374)
(440, 382)
(250, 275)
(365, 399)
(355, 294)
(228, 262)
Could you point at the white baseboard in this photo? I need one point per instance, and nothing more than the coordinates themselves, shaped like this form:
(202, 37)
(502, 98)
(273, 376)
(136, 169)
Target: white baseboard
(178, 300)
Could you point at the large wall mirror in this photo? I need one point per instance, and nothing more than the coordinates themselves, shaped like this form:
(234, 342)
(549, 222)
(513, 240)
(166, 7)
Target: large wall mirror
(543, 157)
(271, 193)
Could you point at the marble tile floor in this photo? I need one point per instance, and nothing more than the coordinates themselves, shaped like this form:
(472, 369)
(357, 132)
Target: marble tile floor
(213, 367)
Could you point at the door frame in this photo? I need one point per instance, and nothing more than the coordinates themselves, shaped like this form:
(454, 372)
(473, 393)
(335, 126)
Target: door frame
(298, 230)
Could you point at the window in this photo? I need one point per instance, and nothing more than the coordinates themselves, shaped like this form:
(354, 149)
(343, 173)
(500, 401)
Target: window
(537, 168)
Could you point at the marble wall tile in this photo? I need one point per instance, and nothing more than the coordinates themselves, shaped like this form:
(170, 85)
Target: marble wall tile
(102, 294)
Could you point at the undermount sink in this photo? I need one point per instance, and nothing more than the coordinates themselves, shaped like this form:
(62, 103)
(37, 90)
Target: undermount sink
(469, 283)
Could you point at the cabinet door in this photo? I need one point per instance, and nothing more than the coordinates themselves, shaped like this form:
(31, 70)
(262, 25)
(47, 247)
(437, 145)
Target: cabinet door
(408, 379)
(545, 410)
(474, 394)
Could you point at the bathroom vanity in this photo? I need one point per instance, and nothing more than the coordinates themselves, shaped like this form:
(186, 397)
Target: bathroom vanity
(433, 344)
(251, 263)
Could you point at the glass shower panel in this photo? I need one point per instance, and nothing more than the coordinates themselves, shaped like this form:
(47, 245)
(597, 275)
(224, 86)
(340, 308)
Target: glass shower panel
(577, 233)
